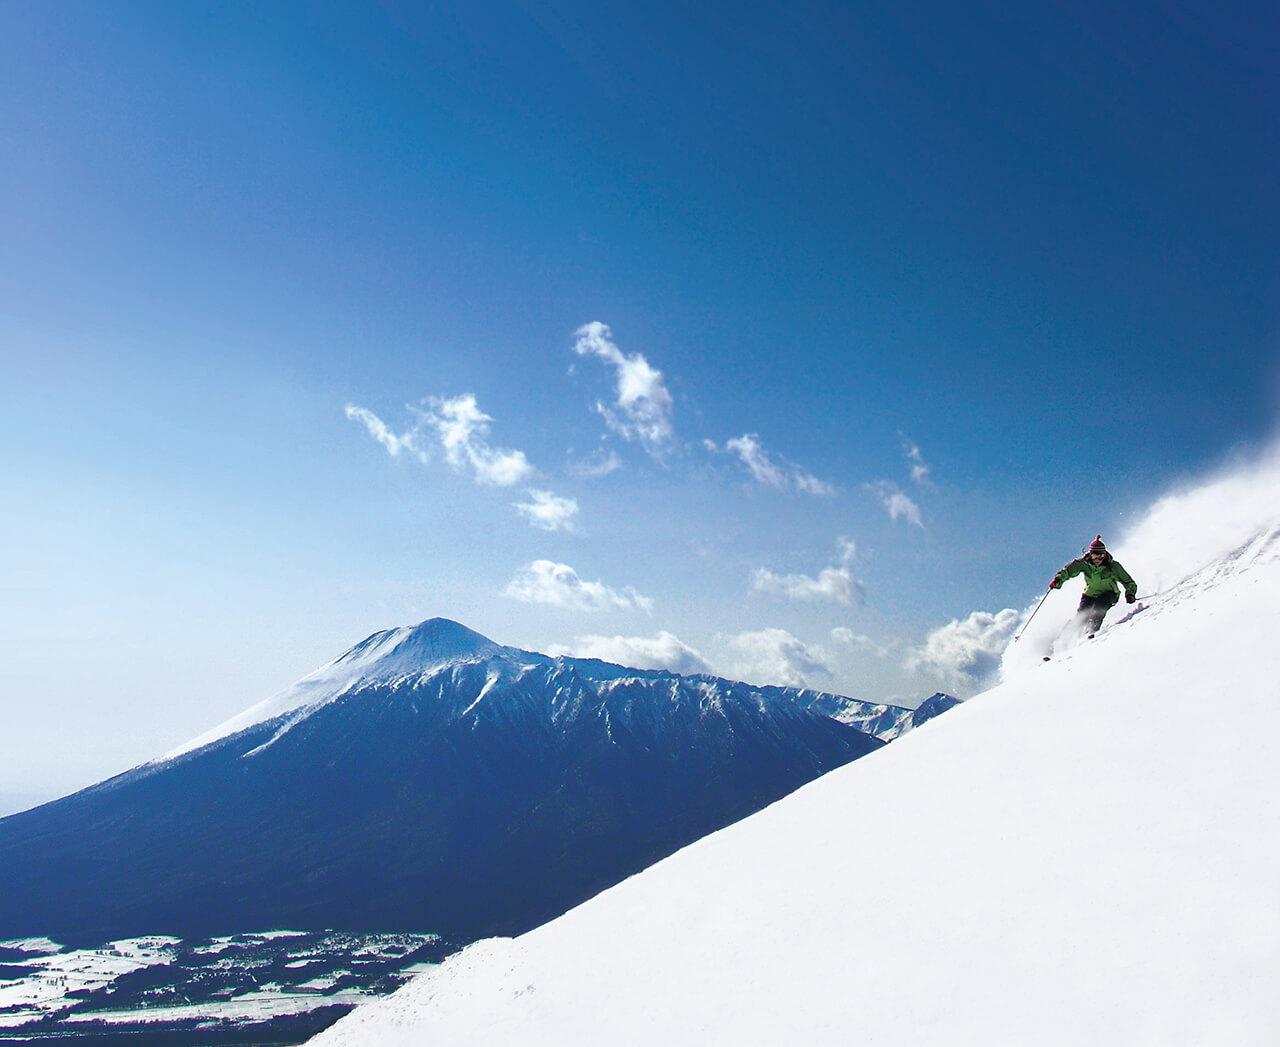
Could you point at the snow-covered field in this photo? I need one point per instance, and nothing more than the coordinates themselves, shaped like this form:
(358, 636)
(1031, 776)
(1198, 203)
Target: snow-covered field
(1089, 853)
(238, 981)
(248, 1008)
(56, 974)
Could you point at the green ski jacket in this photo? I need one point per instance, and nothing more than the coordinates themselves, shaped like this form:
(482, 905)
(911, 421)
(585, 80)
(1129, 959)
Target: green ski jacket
(1099, 579)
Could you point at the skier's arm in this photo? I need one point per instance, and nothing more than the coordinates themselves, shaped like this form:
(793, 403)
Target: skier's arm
(1130, 586)
(1070, 571)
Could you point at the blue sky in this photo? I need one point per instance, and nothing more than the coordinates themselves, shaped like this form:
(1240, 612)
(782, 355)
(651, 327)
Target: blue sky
(874, 313)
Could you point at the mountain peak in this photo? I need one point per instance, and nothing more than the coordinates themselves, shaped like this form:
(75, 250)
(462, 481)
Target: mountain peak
(411, 650)
(386, 657)
(442, 639)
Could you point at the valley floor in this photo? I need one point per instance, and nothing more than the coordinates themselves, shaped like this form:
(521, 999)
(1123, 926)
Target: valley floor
(274, 988)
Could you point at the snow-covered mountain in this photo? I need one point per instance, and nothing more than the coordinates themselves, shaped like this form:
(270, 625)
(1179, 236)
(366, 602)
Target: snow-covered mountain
(427, 780)
(1089, 853)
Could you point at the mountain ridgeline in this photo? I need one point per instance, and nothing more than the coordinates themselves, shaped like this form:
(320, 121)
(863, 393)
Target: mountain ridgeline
(428, 780)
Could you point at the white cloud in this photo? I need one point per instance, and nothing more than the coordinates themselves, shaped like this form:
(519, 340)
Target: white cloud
(549, 512)
(774, 656)
(844, 635)
(895, 500)
(410, 441)
(965, 653)
(764, 470)
(747, 447)
(558, 584)
(809, 484)
(462, 429)
(643, 405)
(596, 465)
(664, 651)
(919, 467)
(835, 583)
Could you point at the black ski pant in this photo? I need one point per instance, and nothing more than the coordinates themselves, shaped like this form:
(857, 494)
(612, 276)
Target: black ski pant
(1093, 609)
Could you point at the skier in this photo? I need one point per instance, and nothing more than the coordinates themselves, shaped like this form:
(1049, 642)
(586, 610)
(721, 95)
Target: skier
(1101, 591)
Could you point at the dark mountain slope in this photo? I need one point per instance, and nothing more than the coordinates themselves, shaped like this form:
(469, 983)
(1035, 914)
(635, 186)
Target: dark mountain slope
(445, 785)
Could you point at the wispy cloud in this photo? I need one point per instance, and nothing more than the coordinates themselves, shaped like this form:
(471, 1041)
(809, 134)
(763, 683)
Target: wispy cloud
(410, 441)
(896, 502)
(549, 512)
(457, 427)
(809, 484)
(774, 656)
(643, 407)
(919, 467)
(558, 584)
(765, 470)
(463, 431)
(600, 463)
(664, 651)
(835, 584)
(747, 448)
(965, 653)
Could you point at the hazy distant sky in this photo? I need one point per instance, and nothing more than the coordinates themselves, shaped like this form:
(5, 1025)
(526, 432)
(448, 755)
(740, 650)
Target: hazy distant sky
(760, 338)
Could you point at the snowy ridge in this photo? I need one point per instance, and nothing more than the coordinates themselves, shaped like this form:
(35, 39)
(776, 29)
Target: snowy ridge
(389, 658)
(1057, 884)
(411, 656)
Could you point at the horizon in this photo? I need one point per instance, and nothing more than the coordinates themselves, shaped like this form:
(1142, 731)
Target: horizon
(799, 345)
(1184, 531)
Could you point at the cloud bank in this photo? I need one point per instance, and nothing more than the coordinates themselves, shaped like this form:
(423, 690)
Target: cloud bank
(558, 584)
(663, 651)
(773, 656)
(965, 654)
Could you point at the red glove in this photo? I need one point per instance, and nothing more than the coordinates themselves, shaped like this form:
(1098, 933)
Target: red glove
(1055, 584)
(1130, 598)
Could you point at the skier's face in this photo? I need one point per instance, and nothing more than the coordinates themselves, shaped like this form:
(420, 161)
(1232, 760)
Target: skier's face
(1097, 558)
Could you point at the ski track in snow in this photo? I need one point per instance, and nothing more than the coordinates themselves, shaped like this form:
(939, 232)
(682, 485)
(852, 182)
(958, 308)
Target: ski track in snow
(1088, 853)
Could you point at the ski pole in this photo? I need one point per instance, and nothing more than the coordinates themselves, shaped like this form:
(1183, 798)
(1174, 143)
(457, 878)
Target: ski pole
(1033, 614)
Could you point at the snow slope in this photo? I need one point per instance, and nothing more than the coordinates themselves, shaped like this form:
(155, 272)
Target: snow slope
(1089, 853)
